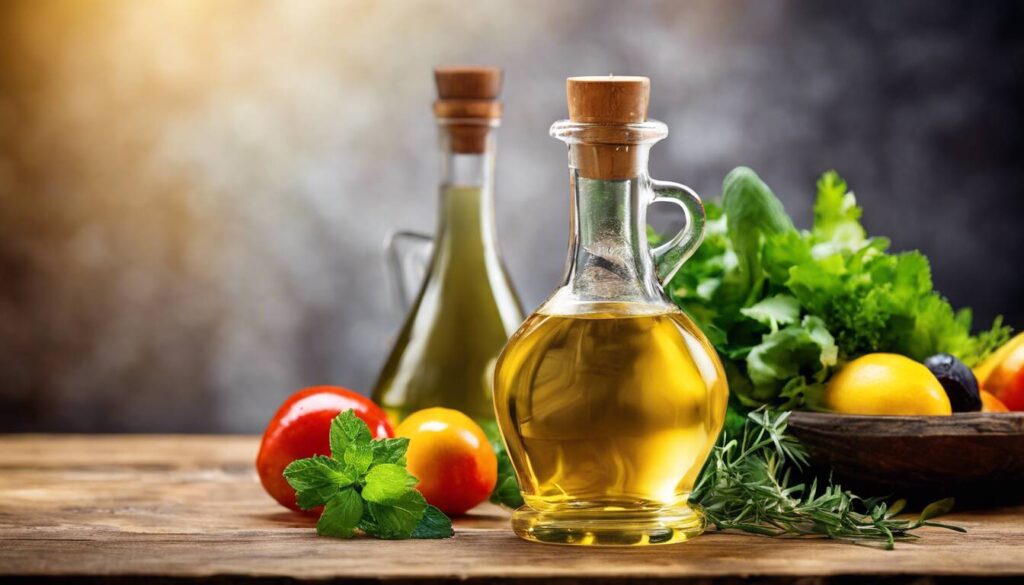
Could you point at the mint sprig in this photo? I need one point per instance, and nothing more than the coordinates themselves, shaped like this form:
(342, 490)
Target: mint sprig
(506, 489)
(364, 485)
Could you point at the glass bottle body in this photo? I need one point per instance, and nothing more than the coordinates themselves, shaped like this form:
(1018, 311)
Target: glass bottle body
(465, 308)
(609, 397)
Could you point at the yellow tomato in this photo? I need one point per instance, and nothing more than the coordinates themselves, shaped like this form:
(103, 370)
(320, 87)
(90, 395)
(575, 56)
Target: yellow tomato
(451, 456)
(886, 383)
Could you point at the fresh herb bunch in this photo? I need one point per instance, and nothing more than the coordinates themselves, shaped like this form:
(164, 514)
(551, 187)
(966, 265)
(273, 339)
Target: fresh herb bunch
(748, 485)
(364, 485)
(785, 307)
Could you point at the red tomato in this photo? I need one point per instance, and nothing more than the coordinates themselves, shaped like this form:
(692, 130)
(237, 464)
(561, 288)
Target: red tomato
(301, 428)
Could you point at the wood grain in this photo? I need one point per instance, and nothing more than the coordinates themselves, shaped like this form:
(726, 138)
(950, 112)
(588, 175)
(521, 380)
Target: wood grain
(180, 508)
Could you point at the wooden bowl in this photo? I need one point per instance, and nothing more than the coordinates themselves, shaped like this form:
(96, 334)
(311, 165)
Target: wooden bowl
(977, 458)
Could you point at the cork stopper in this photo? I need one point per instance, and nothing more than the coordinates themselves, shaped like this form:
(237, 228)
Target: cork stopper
(609, 101)
(468, 103)
(468, 82)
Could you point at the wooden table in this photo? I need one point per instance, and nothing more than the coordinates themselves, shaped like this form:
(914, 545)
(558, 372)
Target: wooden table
(178, 509)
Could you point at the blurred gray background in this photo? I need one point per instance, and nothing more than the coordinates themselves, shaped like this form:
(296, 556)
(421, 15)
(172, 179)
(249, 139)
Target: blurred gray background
(193, 193)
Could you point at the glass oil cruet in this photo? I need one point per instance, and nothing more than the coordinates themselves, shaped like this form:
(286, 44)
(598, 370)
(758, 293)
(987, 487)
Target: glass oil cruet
(609, 398)
(465, 308)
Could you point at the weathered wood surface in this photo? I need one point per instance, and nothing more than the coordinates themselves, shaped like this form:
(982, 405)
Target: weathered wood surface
(976, 457)
(175, 509)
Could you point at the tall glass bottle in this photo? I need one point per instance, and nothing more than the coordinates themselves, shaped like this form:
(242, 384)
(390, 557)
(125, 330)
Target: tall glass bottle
(466, 307)
(609, 398)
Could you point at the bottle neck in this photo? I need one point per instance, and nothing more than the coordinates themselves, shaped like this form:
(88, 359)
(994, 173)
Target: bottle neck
(467, 187)
(609, 257)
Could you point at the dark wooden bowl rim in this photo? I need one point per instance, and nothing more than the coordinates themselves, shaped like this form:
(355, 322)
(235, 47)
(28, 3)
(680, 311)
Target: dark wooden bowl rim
(960, 424)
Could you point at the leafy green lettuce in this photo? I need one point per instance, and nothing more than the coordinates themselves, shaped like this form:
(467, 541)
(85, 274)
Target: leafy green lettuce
(785, 307)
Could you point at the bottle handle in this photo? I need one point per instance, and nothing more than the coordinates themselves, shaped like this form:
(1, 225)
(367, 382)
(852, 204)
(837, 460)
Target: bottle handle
(669, 257)
(408, 255)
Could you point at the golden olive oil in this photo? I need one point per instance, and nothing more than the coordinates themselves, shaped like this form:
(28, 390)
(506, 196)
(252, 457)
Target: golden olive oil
(608, 397)
(614, 409)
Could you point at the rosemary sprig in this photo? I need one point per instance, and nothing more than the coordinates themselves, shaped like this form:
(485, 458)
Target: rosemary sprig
(748, 485)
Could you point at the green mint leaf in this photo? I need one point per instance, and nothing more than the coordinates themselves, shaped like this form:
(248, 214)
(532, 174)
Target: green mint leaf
(398, 520)
(348, 429)
(364, 485)
(358, 457)
(368, 525)
(316, 480)
(433, 524)
(309, 499)
(314, 472)
(386, 483)
(341, 515)
(390, 450)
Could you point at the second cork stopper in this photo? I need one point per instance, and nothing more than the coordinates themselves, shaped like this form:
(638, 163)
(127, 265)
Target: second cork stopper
(467, 82)
(465, 91)
(608, 99)
(467, 104)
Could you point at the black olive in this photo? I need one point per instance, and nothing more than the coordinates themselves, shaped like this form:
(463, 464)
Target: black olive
(958, 380)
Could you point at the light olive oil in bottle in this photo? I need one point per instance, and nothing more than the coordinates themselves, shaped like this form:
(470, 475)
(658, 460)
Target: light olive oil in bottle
(463, 315)
(466, 308)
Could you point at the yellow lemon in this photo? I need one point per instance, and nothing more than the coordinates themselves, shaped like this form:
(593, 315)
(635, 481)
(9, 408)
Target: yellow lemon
(886, 383)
